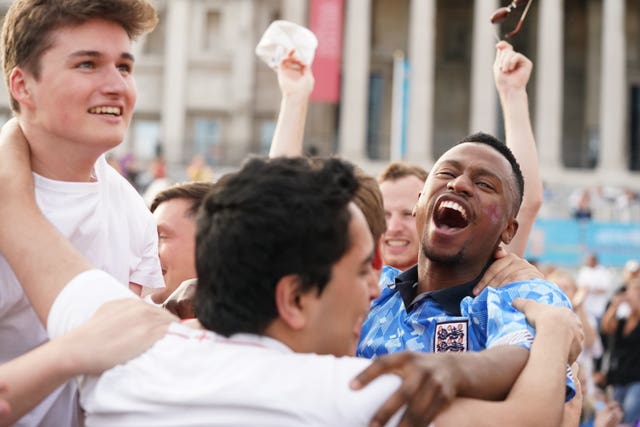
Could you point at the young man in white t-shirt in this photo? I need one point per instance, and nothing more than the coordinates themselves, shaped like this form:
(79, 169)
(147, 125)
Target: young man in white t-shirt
(69, 72)
(280, 310)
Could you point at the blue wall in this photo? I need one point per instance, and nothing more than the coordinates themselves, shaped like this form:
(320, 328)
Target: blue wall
(565, 242)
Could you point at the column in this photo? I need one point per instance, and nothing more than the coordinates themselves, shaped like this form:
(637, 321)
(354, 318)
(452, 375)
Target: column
(422, 57)
(174, 80)
(242, 79)
(549, 71)
(613, 105)
(295, 11)
(484, 99)
(355, 80)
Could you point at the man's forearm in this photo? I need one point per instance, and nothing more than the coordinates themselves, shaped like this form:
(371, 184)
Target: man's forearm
(520, 139)
(544, 376)
(490, 374)
(289, 133)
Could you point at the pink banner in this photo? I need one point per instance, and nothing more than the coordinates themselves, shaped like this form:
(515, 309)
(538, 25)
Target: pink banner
(325, 20)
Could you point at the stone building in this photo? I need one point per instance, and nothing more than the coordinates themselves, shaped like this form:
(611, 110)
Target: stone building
(203, 91)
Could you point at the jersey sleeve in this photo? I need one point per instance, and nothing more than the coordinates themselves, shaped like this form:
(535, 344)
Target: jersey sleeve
(494, 317)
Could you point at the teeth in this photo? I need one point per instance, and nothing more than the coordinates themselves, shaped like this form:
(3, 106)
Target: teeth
(455, 206)
(397, 243)
(106, 110)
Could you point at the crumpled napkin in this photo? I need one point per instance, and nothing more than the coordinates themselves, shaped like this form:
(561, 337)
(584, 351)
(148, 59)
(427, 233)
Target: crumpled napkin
(283, 36)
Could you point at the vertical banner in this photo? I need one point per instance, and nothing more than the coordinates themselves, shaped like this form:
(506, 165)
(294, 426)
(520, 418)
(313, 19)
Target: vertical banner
(325, 20)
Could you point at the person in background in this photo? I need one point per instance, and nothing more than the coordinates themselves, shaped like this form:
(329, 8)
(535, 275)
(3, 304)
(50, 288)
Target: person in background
(199, 170)
(624, 370)
(400, 184)
(596, 281)
(592, 343)
(175, 210)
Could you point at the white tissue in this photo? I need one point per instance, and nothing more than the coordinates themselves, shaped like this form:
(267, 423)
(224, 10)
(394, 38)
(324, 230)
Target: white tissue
(283, 36)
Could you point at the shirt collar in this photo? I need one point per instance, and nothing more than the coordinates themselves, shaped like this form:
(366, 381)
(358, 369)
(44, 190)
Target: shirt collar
(449, 298)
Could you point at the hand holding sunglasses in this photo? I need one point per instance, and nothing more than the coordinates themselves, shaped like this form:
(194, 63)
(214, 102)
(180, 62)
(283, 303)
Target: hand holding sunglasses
(501, 14)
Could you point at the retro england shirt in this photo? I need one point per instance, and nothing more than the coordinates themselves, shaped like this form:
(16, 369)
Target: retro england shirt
(451, 319)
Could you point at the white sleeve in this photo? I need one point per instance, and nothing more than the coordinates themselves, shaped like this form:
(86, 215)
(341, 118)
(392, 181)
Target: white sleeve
(147, 271)
(357, 407)
(80, 298)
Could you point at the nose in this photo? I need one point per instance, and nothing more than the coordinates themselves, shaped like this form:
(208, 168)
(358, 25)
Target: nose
(393, 222)
(460, 184)
(114, 81)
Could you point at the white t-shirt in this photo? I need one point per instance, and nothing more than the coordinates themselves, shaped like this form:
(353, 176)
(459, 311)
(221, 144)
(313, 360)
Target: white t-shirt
(195, 378)
(108, 222)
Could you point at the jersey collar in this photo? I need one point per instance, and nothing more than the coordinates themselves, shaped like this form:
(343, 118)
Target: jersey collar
(449, 298)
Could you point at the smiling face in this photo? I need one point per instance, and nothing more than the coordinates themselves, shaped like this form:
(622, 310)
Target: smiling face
(467, 207)
(85, 92)
(337, 314)
(176, 244)
(400, 242)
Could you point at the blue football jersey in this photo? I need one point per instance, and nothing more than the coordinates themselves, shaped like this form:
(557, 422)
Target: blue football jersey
(451, 319)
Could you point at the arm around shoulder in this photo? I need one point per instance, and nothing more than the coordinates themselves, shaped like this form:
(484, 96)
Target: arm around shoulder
(537, 397)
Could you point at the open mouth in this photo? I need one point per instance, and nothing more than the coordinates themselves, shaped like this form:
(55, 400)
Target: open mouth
(109, 111)
(450, 214)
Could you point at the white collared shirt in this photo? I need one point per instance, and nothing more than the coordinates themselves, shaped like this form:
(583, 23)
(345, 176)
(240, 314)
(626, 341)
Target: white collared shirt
(198, 378)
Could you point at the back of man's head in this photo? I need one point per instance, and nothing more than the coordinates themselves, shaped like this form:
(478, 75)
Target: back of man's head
(492, 141)
(28, 24)
(273, 218)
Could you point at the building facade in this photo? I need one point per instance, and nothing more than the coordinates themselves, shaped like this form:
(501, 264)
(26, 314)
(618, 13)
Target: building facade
(202, 90)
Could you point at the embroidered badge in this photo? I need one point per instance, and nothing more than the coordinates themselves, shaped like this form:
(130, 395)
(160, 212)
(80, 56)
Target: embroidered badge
(451, 336)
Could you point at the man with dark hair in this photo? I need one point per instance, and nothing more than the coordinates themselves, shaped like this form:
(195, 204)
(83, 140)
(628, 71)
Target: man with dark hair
(467, 208)
(175, 210)
(236, 213)
(277, 304)
(68, 67)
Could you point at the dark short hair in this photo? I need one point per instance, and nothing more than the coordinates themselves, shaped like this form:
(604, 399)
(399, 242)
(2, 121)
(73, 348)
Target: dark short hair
(397, 170)
(28, 25)
(192, 191)
(273, 218)
(485, 138)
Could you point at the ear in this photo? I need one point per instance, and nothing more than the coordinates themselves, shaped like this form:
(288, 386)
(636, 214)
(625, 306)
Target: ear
(290, 301)
(509, 232)
(19, 87)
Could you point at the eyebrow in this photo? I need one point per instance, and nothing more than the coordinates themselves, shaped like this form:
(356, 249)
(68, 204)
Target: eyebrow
(480, 170)
(96, 54)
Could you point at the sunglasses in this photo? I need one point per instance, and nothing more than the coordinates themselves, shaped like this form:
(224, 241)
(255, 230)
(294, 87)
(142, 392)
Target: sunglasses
(502, 13)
